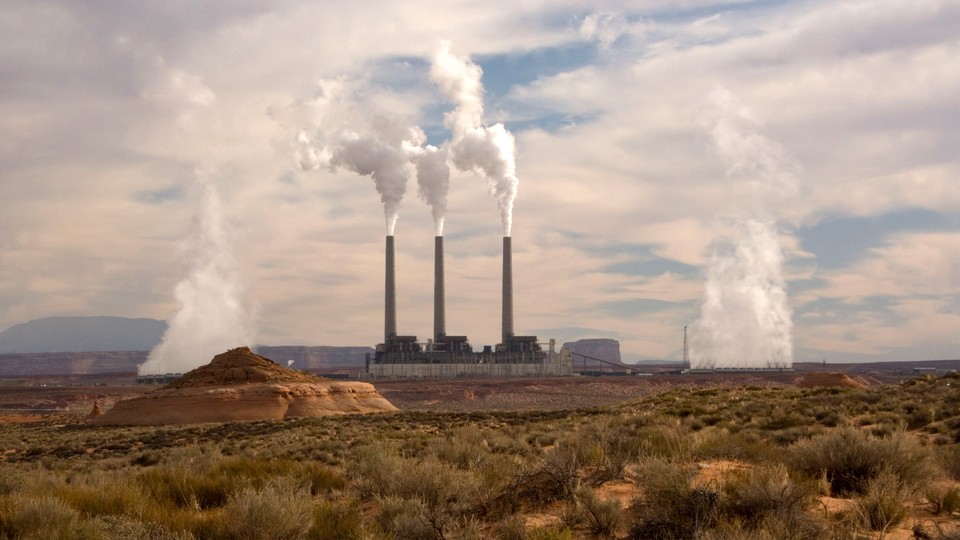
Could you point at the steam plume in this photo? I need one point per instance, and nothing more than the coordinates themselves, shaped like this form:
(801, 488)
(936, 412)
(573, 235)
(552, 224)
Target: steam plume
(433, 176)
(211, 317)
(489, 151)
(379, 147)
(745, 321)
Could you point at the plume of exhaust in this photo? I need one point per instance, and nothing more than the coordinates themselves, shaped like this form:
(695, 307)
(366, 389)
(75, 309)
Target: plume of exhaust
(745, 320)
(487, 150)
(378, 146)
(433, 178)
(211, 317)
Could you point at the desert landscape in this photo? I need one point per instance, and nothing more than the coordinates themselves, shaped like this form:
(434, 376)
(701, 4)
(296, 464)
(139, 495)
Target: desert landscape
(858, 452)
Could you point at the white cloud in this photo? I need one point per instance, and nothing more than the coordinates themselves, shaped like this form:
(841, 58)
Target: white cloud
(105, 116)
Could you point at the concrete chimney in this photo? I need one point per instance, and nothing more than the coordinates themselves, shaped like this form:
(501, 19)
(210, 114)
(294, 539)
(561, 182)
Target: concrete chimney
(507, 290)
(390, 295)
(439, 308)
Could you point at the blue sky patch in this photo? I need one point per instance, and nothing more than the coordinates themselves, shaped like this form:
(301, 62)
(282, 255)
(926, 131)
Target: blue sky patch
(160, 196)
(837, 242)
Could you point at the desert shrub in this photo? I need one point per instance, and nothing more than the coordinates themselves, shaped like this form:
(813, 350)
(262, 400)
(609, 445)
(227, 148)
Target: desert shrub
(770, 529)
(554, 477)
(511, 441)
(743, 445)
(49, 518)
(184, 488)
(943, 500)
(759, 497)
(550, 533)
(146, 459)
(465, 448)
(598, 517)
(442, 495)
(948, 457)
(883, 503)
(786, 437)
(280, 510)
(10, 481)
(404, 519)
(117, 527)
(333, 521)
(665, 442)
(611, 447)
(8, 505)
(784, 420)
(102, 495)
(255, 471)
(850, 459)
(918, 417)
(495, 482)
(512, 527)
(670, 507)
(828, 417)
(210, 484)
(374, 468)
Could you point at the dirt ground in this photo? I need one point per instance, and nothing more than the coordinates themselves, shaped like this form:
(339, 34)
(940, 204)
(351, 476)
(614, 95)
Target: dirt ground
(448, 395)
(75, 395)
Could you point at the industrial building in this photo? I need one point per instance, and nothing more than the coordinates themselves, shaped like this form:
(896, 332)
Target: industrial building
(453, 356)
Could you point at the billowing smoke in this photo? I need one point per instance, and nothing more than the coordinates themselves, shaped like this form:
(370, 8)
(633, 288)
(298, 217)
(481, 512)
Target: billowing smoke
(433, 177)
(745, 321)
(211, 317)
(488, 150)
(377, 146)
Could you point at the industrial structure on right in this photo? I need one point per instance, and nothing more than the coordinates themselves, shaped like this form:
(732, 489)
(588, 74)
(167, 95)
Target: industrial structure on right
(445, 356)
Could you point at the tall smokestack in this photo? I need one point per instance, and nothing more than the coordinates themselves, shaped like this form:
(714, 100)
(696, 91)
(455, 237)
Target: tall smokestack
(390, 295)
(439, 309)
(507, 290)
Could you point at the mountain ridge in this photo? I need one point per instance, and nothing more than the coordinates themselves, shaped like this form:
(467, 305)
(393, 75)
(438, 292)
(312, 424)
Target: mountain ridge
(79, 334)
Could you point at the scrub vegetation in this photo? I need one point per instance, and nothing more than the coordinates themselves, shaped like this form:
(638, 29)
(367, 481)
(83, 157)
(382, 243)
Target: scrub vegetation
(725, 462)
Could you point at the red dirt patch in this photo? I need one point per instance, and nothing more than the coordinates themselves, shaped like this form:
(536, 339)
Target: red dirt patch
(818, 379)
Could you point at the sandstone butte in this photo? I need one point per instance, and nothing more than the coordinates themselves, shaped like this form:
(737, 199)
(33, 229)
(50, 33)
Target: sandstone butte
(239, 385)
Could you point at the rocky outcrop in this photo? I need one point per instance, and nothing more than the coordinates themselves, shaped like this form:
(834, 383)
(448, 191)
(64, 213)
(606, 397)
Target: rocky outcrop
(96, 411)
(239, 385)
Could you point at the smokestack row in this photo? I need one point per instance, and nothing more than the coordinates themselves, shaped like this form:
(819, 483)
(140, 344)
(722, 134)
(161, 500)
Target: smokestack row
(439, 308)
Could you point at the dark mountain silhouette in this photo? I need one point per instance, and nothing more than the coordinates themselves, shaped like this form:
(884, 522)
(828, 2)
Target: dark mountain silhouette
(82, 334)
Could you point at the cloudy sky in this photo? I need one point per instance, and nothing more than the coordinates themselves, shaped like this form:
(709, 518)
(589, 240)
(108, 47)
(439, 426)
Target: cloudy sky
(109, 109)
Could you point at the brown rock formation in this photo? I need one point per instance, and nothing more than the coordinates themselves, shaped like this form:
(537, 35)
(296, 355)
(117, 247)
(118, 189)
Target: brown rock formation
(816, 379)
(96, 410)
(239, 385)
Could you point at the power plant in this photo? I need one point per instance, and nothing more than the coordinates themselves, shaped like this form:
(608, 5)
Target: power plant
(453, 356)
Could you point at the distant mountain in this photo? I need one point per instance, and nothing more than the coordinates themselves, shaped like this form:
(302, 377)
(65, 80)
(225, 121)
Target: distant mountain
(82, 334)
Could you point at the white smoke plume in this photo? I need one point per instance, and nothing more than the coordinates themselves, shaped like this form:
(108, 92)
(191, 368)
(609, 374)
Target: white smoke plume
(488, 150)
(433, 177)
(211, 317)
(745, 321)
(377, 146)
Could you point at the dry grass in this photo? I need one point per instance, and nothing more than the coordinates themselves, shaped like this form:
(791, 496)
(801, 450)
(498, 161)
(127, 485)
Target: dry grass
(893, 450)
